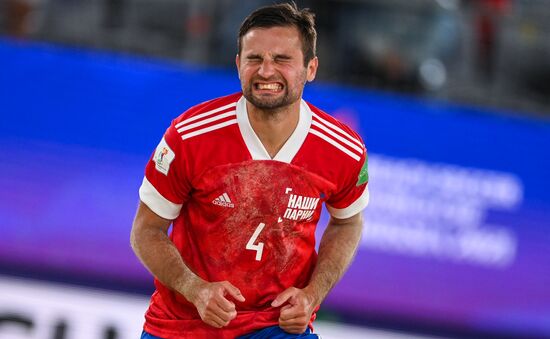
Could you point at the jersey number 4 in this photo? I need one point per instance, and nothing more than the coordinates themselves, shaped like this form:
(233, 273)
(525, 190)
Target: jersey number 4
(259, 248)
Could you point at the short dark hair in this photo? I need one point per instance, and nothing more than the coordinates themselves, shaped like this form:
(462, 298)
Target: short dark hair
(281, 15)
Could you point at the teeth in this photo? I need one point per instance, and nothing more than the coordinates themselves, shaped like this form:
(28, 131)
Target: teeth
(269, 86)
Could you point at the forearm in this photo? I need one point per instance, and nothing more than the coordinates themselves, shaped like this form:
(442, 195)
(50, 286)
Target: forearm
(336, 251)
(160, 256)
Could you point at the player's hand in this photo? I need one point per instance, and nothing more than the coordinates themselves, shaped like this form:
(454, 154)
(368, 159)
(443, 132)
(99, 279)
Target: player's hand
(210, 300)
(296, 314)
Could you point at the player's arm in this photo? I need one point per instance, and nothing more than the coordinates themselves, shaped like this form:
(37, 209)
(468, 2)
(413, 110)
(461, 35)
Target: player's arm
(338, 246)
(336, 251)
(151, 244)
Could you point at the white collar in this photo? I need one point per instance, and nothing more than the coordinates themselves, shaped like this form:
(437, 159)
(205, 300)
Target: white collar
(291, 146)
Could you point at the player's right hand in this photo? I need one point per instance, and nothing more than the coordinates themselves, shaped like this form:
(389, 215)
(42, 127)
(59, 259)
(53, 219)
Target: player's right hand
(210, 300)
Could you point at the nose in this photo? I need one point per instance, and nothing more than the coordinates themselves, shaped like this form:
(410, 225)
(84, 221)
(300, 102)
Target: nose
(267, 68)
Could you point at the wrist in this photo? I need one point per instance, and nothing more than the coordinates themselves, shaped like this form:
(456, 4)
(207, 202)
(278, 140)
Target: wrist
(315, 295)
(190, 287)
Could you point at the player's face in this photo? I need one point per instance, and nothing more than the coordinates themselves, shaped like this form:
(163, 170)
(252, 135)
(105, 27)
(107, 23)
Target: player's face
(271, 67)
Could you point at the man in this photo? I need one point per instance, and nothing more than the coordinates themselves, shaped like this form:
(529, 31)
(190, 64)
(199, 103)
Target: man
(242, 179)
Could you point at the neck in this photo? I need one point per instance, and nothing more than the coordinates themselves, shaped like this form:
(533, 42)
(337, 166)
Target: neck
(274, 127)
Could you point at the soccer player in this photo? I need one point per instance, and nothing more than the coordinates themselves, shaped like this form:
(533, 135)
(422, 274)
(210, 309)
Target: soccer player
(242, 179)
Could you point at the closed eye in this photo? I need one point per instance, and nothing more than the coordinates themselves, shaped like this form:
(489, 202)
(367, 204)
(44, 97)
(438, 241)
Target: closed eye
(282, 58)
(255, 58)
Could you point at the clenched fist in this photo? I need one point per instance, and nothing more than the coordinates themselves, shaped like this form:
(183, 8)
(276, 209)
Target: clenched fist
(210, 300)
(295, 315)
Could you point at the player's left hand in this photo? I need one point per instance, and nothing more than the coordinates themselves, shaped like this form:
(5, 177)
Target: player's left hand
(295, 315)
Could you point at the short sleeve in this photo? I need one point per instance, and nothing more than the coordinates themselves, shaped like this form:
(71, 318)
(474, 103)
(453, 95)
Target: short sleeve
(353, 196)
(165, 186)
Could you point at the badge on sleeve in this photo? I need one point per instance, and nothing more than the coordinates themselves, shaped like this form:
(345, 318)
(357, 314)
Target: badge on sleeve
(163, 157)
(363, 176)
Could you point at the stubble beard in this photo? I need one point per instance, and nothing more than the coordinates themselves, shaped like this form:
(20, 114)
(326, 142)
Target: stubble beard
(268, 104)
(272, 105)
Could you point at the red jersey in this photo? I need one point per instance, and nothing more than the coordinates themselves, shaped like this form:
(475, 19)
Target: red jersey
(240, 215)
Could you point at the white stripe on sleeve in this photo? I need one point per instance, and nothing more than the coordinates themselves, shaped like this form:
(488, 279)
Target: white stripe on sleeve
(163, 207)
(356, 207)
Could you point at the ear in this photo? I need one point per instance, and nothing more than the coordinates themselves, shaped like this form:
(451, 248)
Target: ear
(238, 63)
(312, 66)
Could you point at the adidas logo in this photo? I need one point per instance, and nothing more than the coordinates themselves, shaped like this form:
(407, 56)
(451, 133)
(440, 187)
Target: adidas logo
(224, 201)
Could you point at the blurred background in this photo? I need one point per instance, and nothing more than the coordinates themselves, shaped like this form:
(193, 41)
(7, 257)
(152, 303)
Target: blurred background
(451, 97)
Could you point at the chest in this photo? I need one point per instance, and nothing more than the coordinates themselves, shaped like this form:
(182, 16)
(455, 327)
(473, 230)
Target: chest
(267, 190)
(255, 212)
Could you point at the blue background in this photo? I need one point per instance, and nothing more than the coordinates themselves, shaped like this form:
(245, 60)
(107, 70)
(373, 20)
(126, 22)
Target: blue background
(78, 126)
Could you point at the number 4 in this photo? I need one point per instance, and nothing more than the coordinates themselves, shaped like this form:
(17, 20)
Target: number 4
(259, 248)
